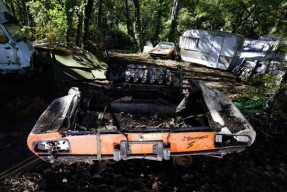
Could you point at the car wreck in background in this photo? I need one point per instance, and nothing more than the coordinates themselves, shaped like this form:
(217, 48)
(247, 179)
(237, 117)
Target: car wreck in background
(17, 56)
(145, 113)
(214, 49)
(266, 55)
(164, 50)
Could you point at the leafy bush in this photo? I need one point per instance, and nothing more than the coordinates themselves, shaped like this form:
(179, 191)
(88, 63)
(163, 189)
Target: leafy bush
(50, 21)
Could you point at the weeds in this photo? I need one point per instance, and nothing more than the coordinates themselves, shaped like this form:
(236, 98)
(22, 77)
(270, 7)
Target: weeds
(253, 104)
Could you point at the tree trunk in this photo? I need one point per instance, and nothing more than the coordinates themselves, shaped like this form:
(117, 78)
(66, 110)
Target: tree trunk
(69, 15)
(30, 20)
(79, 24)
(19, 8)
(12, 8)
(88, 11)
(27, 16)
(158, 21)
(99, 15)
(173, 25)
(241, 19)
(138, 34)
(23, 11)
(129, 24)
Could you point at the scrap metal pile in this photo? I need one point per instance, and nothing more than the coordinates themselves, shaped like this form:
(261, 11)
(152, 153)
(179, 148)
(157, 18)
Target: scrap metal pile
(145, 74)
(262, 56)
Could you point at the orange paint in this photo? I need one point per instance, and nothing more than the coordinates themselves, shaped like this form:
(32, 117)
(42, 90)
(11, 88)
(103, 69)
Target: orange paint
(87, 144)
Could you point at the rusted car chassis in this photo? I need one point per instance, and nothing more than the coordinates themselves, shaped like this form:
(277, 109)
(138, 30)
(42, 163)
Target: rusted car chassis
(141, 121)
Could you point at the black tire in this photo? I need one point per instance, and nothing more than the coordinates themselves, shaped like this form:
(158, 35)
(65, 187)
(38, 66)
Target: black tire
(172, 56)
(182, 161)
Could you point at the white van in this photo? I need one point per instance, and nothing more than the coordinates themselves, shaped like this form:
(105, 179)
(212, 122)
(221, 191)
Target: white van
(17, 56)
(214, 49)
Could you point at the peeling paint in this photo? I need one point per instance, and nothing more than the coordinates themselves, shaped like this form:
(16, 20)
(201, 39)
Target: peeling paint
(16, 54)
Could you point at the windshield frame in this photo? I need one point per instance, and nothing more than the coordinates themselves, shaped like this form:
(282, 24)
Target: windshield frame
(165, 46)
(3, 36)
(15, 32)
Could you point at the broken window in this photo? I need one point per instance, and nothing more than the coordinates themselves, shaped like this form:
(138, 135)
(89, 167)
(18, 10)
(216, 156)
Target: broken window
(165, 46)
(15, 32)
(189, 42)
(3, 37)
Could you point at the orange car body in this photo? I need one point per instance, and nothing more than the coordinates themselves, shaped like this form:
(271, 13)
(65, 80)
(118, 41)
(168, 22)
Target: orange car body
(163, 50)
(54, 138)
(85, 146)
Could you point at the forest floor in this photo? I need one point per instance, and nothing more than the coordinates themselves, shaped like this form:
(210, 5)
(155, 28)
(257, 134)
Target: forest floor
(261, 167)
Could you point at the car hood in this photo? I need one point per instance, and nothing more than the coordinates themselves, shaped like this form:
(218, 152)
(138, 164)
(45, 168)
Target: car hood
(160, 51)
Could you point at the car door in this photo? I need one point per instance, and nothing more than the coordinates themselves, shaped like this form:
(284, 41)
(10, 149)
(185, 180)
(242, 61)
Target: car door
(7, 51)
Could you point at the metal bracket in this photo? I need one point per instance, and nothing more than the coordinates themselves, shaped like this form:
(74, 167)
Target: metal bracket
(117, 154)
(99, 155)
(158, 151)
(166, 153)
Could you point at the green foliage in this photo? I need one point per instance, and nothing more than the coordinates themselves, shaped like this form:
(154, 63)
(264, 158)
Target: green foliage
(50, 21)
(266, 119)
(57, 20)
(69, 12)
(185, 20)
(163, 36)
(94, 32)
(253, 105)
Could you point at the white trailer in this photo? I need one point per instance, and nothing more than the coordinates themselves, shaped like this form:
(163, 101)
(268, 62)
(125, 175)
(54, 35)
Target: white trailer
(214, 49)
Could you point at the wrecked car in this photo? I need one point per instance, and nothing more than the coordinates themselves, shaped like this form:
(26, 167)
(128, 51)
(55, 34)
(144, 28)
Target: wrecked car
(265, 55)
(17, 56)
(163, 50)
(146, 112)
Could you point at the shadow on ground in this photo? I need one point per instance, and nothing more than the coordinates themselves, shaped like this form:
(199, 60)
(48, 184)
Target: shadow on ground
(261, 167)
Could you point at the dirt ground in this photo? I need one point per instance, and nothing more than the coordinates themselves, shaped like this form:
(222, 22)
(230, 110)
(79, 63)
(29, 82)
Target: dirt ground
(261, 167)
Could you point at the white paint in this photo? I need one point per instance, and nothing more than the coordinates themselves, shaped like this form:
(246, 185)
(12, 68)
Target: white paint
(147, 49)
(215, 51)
(3, 9)
(225, 130)
(215, 102)
(14, 56)
(214, 44)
